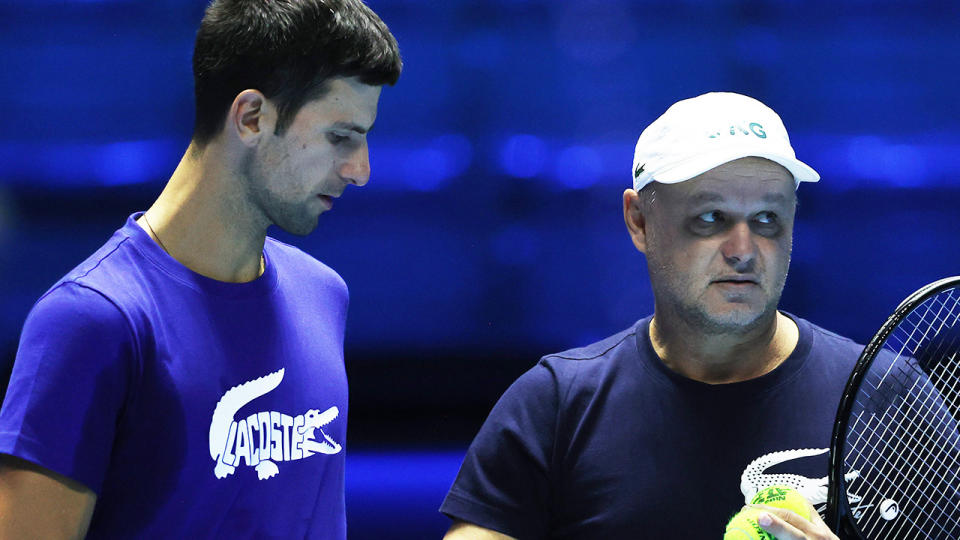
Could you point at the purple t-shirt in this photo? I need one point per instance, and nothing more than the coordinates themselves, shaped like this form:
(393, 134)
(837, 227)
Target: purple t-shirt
(192, 407)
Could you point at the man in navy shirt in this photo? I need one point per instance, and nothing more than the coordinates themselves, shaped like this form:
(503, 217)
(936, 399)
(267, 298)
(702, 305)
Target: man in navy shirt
(187, 379)
(665, 429)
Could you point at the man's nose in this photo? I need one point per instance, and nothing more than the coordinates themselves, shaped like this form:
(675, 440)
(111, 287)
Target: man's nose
(738, 248)
(356, 170)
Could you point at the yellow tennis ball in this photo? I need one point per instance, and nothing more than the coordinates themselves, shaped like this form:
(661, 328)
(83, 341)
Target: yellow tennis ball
(783, 497)
(744, 526)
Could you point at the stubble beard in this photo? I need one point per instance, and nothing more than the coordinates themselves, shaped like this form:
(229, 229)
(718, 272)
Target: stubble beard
(292, 218)
(289, 216)
(740, 320)
(693, 310)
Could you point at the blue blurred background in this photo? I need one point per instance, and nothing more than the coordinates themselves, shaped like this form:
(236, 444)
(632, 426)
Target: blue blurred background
(491, 230)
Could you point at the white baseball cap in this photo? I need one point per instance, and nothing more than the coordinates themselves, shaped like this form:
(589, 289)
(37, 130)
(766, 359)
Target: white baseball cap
(700, 133)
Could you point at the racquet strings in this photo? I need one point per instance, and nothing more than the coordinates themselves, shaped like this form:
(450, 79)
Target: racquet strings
(902, 454)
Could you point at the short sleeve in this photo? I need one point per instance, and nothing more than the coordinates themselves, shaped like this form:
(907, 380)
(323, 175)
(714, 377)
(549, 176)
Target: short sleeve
(69, 384)
(504, 483)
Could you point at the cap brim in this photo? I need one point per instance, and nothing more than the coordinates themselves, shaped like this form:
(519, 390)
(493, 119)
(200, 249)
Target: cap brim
(704, 162)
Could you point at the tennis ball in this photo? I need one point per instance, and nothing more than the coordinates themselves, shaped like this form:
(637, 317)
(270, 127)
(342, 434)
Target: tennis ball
(783, 497)
(744, 526)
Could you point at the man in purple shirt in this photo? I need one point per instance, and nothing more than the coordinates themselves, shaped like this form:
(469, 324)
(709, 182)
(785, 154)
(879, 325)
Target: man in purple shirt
(187, 379)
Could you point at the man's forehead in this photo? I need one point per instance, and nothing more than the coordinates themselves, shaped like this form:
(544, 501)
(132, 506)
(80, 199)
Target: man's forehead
(775, 195)
(751, 167)
(718, 186)
(346, 101)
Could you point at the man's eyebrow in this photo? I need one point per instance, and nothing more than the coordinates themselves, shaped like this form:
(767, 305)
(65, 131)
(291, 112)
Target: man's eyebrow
(352, 127)
(778, 198)
(705, 197)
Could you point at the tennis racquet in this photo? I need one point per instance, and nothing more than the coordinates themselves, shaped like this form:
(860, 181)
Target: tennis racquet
(895, 450)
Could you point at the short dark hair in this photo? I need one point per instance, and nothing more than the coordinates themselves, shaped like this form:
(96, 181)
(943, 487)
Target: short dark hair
(288, 50)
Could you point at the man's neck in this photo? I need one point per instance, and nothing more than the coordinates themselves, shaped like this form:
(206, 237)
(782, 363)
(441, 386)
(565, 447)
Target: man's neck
(723, 358)
(203, 220)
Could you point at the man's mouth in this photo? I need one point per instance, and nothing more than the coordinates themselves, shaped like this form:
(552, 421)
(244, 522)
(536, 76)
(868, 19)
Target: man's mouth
(737, 282)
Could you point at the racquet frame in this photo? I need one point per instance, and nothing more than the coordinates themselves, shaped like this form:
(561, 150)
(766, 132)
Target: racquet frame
(838, 506)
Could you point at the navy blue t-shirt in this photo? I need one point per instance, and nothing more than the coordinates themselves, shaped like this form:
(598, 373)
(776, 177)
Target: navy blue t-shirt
(605, 441)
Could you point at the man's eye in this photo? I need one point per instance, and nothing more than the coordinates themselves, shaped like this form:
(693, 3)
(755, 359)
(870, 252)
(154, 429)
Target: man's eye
(336, 139)
(766, 218)
(710, 217)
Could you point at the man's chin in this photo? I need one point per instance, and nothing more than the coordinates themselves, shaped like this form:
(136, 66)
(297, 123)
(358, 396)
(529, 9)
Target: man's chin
(299, 227)
(737, 319)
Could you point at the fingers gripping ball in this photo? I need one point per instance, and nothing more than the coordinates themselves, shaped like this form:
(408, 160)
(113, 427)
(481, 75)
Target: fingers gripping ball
(783, 497)
(744, 525)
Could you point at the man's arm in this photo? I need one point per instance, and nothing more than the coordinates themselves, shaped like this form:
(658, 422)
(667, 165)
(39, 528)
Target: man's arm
(61, 411)
(461, 530)
(38, 503)
(504, 483)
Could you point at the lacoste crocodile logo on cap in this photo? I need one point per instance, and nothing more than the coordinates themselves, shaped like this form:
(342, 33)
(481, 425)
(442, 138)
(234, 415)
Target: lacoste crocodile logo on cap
(639, 170)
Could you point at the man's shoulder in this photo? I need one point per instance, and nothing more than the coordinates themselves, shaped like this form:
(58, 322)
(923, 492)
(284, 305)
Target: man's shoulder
(107, 270)
(92, 294)
(564, 381)
(605, 348)
(832, 340)
(293, 259)
(829, 349)
(605, 355)
(70, 304)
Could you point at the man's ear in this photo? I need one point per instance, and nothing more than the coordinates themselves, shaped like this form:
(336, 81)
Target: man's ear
(251, 116)
(635, 219)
